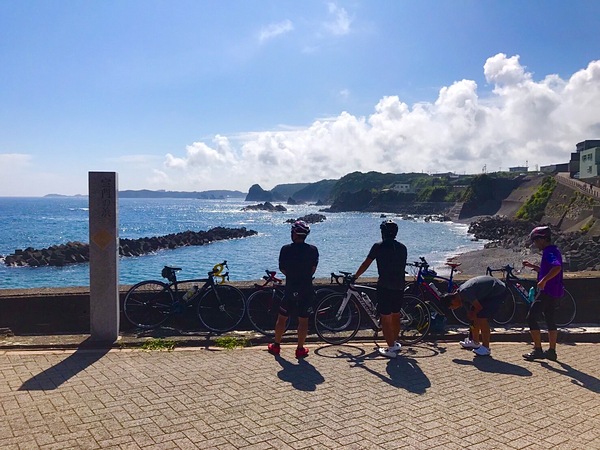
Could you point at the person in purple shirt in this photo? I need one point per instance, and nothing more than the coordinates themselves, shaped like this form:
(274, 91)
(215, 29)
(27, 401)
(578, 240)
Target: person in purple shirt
(549, 289)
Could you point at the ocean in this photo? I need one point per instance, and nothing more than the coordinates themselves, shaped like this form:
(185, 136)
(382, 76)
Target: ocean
(343, 239)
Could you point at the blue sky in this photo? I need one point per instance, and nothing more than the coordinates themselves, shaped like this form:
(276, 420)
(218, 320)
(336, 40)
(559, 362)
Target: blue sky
(198, 95)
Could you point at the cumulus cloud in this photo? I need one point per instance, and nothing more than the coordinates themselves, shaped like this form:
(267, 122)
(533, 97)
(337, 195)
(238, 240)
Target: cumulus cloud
(520, 120)
(340, 21)
(275, 29)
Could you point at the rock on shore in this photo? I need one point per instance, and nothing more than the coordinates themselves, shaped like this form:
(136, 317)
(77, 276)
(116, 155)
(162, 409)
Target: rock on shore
(580, 252)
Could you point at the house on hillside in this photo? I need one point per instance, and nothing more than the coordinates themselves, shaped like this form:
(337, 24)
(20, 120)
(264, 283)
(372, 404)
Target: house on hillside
(555, 168)
(518, 169)
(401, 187)
(588, 157)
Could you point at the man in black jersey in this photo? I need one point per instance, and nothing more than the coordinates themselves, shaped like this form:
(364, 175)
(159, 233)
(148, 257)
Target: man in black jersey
(391, 263)
(298, 262)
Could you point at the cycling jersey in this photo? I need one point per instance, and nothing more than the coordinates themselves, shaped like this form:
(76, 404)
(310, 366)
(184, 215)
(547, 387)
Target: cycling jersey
(391, 263)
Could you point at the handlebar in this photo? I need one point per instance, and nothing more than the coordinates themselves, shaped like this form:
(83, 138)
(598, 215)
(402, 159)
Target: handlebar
(217, 272)
(347, 278)
(422, 264)
(507, 269)
(269, 278)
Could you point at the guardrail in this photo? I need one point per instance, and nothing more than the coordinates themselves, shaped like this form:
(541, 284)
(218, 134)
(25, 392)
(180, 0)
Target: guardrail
(585, 188)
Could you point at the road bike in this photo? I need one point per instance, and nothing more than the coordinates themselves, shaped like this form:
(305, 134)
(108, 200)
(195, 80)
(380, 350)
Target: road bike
(219, 307)
(263, 304)
(566, 308)
(425, 288)
(338, 317)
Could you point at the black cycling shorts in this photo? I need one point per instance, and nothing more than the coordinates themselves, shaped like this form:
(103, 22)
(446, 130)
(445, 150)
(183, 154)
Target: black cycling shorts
(389, 301)
(299, 302)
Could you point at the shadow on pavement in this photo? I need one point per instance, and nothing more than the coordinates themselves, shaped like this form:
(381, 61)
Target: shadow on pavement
(402, 371)
(491, 365)
(302, 376)
(578, 378)
(53, 377)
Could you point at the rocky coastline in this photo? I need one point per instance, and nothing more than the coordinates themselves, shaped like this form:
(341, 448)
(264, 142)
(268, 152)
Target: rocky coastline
(509, 244)
(79, 252)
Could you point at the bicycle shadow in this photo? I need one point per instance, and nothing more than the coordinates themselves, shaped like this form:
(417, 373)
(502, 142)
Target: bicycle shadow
(53, 377)
(402, 372)
(578, 377)
(302, 376)
(491, 365)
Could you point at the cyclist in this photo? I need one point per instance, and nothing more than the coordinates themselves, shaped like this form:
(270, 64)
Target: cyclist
(391, 263)
(483, 296)
(298, 262)
(550, 288)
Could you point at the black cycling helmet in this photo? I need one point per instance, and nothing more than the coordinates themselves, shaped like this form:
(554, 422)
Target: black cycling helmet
(301, 228)
(540, 232)
(389, 229)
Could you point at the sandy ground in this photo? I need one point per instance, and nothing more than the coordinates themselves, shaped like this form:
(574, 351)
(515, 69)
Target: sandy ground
(475, 263)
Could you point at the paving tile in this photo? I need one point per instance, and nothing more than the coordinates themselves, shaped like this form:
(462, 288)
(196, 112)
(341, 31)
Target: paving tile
(432, 396)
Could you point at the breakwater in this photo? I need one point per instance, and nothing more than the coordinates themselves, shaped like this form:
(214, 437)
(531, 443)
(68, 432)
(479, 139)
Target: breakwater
(78, 252)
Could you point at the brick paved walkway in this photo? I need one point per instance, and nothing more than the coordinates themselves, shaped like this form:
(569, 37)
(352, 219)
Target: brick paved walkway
(340, 397)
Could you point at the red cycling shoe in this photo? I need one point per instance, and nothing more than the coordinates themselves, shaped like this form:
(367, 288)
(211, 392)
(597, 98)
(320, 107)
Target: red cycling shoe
(301, 352)
(274, 348)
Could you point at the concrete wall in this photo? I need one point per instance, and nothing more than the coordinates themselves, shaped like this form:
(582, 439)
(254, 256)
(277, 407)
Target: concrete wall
(67, 311)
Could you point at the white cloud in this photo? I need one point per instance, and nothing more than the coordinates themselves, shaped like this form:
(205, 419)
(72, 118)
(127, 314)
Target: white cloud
(340, 22)
(11, 161)
(521, 120)
(275, 29)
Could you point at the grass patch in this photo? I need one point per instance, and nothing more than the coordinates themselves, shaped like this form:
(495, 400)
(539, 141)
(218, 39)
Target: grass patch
(588, 225)
(159, 344)
(231, 342)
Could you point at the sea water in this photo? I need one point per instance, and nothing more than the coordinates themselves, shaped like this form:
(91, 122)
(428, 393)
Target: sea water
(343, 239)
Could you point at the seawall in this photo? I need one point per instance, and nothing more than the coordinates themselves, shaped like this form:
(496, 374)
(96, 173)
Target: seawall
(66, 310)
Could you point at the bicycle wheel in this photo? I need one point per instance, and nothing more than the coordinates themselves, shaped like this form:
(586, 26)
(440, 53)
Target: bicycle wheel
(321, 293)
(460, 314)
(333, 325)
(506, 311)
(221, 308)
(148, 304)
(565, 310)
(263, 309)
(415, 320)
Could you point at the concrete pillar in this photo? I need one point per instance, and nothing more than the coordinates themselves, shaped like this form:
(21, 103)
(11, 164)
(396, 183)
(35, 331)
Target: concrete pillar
(104, 256)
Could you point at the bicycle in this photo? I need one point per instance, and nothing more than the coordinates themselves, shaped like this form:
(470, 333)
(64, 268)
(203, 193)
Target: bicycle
(262, 305)
(424, 287)
(338, 316)
(219, 307)
(566, 308)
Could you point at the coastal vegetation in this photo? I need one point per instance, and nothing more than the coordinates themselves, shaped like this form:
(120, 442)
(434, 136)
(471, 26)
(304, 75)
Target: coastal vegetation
(533, 209)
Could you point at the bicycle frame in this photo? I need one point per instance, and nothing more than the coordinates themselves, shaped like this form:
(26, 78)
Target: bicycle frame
(512, 280)
(363, 300)
(170, 273)
(422, 283)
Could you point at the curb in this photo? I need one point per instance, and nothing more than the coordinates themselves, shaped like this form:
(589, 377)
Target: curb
(580, 334)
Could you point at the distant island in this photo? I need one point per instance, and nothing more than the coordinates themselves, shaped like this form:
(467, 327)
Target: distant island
(218, 194)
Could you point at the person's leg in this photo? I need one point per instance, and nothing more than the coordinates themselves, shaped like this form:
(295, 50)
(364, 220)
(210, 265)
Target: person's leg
(484, 325)
(534, 331)
(475, 329)
(549, 314)
(552, 338)
(280, 327)
(395, 325)
(302, 330)
(388, 329)
(549, 310)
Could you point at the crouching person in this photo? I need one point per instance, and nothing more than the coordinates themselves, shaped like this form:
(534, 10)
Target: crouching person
(481, 296)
